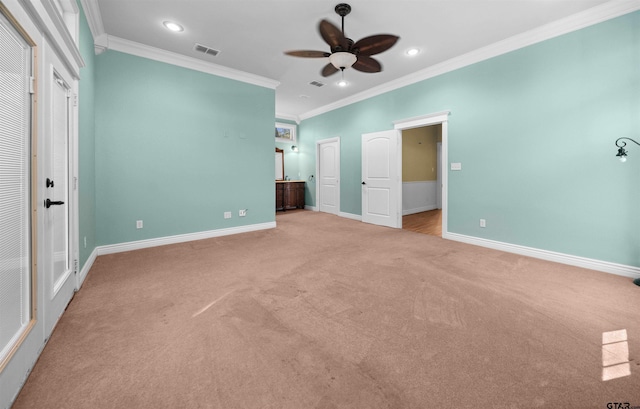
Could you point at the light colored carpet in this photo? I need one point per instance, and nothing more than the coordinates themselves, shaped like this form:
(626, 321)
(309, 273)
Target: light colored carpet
(325, 312)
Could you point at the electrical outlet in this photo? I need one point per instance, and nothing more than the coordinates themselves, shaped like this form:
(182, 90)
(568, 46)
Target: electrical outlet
(483, 223)
(227, 215)
(242, 212)
(138, 224)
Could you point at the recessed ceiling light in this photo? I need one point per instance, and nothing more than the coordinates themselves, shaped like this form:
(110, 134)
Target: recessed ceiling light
(413, 51)
(173, 26)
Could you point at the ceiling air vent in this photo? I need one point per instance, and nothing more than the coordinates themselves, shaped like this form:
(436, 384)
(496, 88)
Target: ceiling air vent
(205, 50)
(316, 83)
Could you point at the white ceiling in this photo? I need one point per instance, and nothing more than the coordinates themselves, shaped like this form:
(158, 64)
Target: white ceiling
(252, 35)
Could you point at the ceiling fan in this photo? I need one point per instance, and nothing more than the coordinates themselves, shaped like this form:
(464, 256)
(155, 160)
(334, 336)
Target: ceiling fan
(344, 52)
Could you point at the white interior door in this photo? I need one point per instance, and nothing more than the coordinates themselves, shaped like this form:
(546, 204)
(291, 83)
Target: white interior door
(329, 175)
(381, 179)
(58, 265)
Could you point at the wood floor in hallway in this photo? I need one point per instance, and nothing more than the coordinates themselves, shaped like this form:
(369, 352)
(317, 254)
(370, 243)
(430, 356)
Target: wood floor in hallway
(424, 222)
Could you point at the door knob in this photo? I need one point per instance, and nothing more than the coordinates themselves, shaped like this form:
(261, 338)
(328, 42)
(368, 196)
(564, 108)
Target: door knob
(48, 203)
(363, 183)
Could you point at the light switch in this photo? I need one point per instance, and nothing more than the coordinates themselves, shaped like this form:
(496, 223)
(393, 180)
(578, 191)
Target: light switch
(456, 166)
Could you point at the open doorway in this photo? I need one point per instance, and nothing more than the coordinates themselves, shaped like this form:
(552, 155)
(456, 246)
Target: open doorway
(422, 179)
(383, 199)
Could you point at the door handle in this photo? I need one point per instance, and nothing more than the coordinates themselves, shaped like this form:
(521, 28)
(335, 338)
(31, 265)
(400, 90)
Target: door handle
(48, 203)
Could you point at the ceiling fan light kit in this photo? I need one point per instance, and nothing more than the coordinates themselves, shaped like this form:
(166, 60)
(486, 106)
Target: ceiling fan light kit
(345, 53)
(342, 60)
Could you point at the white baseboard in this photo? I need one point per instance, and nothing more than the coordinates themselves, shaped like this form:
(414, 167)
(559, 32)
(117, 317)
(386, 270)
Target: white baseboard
(82, 275)
(341, 214)
(592, 264)
(181, 238)
(419, 209)
(351, 216)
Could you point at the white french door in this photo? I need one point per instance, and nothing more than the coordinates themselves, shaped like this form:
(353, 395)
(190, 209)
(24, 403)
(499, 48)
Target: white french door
(58, 262)
(17, 221)
(381, 179)
(38, 141)
(328, 195)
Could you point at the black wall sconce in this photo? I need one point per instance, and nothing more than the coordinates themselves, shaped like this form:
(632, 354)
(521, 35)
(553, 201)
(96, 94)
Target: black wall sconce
(622, 155)
(622, 152)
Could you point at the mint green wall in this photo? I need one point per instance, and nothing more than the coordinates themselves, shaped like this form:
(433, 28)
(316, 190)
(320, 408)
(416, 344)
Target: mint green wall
(534, 130)
(86, 144)
(177, 148)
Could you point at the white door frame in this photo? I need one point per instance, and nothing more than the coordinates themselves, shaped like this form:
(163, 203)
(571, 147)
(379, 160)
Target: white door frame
(318, 146)
(41, 21)
(439, 176)
(428, 120)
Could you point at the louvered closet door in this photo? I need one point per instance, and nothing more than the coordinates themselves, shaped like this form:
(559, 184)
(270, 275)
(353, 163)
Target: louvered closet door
(15, 189)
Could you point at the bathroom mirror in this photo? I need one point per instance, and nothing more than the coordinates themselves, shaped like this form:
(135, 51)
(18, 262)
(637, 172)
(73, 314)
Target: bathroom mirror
(279, 164)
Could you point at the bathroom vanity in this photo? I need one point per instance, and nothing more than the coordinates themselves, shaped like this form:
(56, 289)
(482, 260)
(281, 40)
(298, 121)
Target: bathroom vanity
(289, 193)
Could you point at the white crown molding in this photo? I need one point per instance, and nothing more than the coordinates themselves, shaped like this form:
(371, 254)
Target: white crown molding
(288, 117)
(101, 44)
(94, 17)
(592, 16)
(181, 238)
(592, 264)
(168, 57)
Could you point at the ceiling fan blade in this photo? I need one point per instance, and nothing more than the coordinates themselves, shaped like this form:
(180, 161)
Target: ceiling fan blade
(333, 36)
(308, 54)
(329, 69)
(375, 44)
(367, 64)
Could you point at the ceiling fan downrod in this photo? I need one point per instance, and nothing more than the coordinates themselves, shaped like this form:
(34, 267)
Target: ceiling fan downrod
(342, 10)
